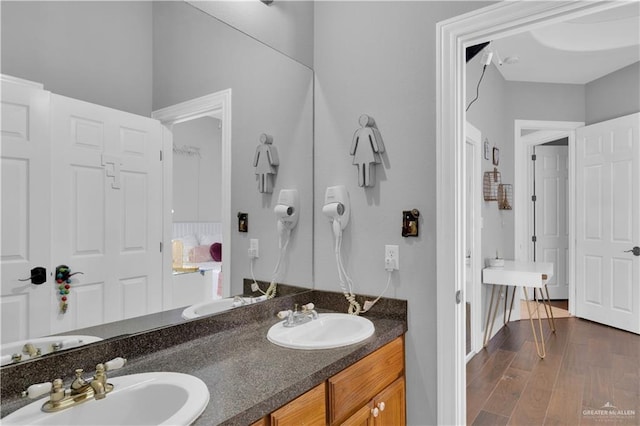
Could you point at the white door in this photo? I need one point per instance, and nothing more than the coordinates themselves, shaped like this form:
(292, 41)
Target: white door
(107, 212)
(25, 210)
(608, 223)
(551, 208)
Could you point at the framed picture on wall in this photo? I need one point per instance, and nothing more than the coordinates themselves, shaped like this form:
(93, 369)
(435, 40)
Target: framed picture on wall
(496, 156)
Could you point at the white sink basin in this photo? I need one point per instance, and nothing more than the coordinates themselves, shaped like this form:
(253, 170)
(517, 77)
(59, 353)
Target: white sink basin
(137, 399)
(326, 332)
(218, 305)
(207, 308)
(45, 344)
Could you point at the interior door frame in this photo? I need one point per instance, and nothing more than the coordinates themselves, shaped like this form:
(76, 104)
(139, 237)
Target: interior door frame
(452, 37)
(216, 105)
(547, 131)
(474, 137)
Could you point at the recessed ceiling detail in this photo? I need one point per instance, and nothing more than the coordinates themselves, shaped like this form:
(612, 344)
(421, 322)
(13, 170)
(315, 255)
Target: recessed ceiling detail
(574, 52)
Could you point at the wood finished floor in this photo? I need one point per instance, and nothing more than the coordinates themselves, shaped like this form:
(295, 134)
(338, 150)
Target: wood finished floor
(588, 366)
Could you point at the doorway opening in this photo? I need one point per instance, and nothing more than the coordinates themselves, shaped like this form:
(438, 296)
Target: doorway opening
(453, 36)
(216, 105)
(528, 135)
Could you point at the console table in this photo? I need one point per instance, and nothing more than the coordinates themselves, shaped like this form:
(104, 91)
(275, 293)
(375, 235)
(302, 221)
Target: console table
(526, 275)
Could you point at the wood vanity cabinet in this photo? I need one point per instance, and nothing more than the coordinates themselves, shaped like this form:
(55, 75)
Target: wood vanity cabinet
(370, 392)
(376, 382)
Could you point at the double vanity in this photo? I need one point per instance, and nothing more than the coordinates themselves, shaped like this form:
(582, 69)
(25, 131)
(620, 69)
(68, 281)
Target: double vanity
(248, 377)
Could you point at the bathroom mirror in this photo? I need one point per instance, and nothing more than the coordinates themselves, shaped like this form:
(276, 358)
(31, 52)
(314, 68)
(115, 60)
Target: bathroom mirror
(183, 54)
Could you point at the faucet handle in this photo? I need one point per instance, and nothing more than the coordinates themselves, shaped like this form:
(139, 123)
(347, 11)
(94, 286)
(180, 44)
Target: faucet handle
(284, 314)
(114, 364)
(37, 390)
(309, 306)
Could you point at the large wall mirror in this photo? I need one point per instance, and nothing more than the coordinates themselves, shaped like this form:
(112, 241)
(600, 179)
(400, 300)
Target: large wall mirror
(140, 58)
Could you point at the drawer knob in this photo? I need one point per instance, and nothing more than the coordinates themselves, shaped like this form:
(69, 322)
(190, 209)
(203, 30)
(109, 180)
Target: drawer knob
(375, 412)
(381, 406)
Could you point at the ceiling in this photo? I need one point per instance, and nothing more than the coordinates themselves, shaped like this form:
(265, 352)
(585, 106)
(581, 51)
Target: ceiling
(572, 52)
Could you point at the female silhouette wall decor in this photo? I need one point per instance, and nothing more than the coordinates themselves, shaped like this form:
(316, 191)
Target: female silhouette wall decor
(366, 147)
(266, 161)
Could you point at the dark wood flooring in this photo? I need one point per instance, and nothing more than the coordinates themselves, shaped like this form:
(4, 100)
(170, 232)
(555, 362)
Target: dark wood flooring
(562, 304)
(588, 370)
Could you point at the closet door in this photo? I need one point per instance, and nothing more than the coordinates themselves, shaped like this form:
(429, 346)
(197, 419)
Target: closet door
(551, 207)
(107, 217)
(25, 210)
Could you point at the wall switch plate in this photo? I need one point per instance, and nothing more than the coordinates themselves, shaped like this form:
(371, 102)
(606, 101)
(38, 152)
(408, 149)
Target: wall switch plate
(254, 251)
(391, 258)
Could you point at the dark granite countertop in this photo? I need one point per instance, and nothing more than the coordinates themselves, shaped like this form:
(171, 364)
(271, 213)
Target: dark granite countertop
(247, 376)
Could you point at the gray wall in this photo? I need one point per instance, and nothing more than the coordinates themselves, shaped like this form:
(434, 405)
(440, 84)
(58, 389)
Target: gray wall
(197, 179)
(377, 58)
(194, 55)
(287, 26)
(98, 52)
(488, 114)
(613, 95)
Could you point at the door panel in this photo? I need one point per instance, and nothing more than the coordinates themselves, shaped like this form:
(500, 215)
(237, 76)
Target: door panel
(108, 224)
(552, 245)
(25, 204)
(608, 223)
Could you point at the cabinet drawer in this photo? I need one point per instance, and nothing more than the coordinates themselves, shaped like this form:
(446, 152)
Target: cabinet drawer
(353, 387)
(308, 409)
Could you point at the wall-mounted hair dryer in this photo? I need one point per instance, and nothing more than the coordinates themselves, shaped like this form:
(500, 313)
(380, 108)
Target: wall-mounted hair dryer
(337, 207)
(287, 207)
(287, 213)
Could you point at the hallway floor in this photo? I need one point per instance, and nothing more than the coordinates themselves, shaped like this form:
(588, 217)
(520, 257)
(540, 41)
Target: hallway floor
(591, 375)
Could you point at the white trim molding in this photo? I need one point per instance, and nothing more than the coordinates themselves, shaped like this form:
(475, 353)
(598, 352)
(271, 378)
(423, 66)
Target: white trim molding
(452, 37)
(474, 138)
(216, 105)
(21, 81)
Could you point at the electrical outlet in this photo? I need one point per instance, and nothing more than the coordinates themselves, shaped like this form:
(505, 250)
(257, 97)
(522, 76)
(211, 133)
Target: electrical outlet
(254, 251)
(391, 258)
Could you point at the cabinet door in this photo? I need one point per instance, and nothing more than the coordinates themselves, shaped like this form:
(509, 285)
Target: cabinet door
(262, 422)
(362, 417)
(391, 405)
(308, 409)
(358, 384)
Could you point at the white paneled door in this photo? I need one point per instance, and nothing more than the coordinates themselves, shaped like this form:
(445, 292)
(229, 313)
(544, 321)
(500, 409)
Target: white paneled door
(552, 238)
(608, 223)
(108, 211)
(25, 210)
(81, 187)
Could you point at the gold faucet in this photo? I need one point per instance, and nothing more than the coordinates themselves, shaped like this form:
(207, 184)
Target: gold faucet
(31, 350)
(81, 389)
